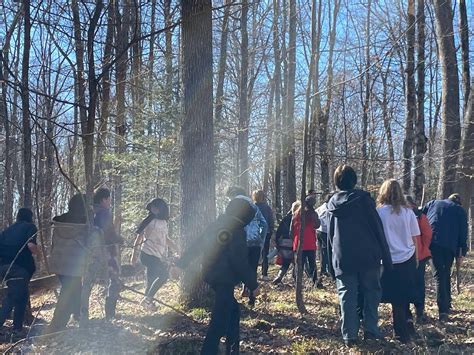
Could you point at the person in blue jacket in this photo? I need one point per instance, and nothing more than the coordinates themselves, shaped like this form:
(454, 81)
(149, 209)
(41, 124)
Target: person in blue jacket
(449, 224)
(256, 232)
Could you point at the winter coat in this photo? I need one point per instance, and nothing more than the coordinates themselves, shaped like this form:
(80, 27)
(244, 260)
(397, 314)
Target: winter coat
(14, 248)
(356, 237)
(268, 215)
(311, 224)
(283, 238)
(448, 221)
(424, 241)
(104, 220)
(257, 229)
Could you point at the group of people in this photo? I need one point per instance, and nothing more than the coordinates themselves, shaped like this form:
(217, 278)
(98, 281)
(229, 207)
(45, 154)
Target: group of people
(376, 251)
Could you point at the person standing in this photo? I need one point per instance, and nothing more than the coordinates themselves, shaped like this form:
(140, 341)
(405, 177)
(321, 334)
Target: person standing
(256, 232)
(309, 237)
(258, 196)
(424, 254)
(103, 219)
(17, 266)
(401, 230)
(152, 238)
(357, 244)
(449, 223)
(322, 234)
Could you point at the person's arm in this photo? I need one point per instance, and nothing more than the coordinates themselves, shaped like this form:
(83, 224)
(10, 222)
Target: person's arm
(136, 248)
(426, 231)
(462, 239)
(238, 256)
(376, 223)
(31, 244)
(317, 222)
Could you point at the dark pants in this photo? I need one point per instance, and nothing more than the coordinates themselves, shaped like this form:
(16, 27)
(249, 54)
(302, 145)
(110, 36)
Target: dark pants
(69, 301)
(156, 273)
(323, 252)
(225, 321)
(254, 257)
(114, 287)
(17, 294)
(266, 249)
(420, 290)
(400, 321)
(309, 264)
(442, 261)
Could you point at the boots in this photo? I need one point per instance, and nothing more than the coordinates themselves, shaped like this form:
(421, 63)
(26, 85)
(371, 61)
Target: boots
(279, 277)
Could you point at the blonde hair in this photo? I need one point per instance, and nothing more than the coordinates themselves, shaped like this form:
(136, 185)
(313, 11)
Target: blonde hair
(258, 196)
(390, 193)
(295, 206)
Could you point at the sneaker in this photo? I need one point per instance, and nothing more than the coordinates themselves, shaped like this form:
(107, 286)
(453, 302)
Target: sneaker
(148, 305)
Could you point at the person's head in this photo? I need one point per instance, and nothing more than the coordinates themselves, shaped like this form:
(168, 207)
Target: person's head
(295, 206)
(258, 196)
(77, 205)
(102, 197)
(410, 201)
(311, 192)
(310, 201)
(235, 191)
(24, 215)
(456, 198)
(390, 193)
(159, 208)
(345, 177)
(241, 210)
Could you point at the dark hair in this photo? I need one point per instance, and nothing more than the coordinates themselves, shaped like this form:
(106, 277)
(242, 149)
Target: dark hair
(101, 194)
(77, 205)
(258, 196)
(235, 191)
(310, 201)
(311, 192)
(345, 177)
(24, 215)
(163, 214)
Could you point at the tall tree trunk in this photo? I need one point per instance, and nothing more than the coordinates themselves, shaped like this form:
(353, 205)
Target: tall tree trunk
(197, 165)
(25, 107)
(410, 98)
(168, 59)
(387, 123)
(123, 30)
(366, 102)
(106, 88)
(464, 34)
(450, 118)
(290, 183)
(269, 141)
(243, 135)
(420, 137)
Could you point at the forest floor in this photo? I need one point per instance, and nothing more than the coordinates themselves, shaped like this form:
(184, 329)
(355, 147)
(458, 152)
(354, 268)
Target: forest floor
(272, 326)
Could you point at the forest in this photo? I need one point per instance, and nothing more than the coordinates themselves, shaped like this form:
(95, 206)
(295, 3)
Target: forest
(182, 99)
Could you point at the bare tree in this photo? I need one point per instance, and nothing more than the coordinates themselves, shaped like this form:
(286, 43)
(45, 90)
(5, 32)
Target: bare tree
(464, 34)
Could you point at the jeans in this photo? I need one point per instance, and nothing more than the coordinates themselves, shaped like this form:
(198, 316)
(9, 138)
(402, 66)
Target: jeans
(225, 321)
(17, 294)
(69, 301)
(323, 252)
(156, 273)
(348, 286)
(420, 290)
(265, 250)
(309, 264)
(442, 261)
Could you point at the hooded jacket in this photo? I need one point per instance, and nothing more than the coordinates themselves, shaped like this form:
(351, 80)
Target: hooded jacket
(356, 237)
(257, 228)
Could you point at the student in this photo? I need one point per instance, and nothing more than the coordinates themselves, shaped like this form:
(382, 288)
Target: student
(258, 197)
(104, 220)
(152, 238)
(357, 244)
(284, 242)
(424, 254)
(256, 232)
(67, 260)
(401, 230)
(449, 222)
(17, 247)
(309, 237)
(322, 233)
(223, 247)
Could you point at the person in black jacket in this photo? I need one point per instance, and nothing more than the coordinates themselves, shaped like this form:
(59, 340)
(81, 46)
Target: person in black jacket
(357, 243)
(225, 264)
(258, 196)
(17, 246)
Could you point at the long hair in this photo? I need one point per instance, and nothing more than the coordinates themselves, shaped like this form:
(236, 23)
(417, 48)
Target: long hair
(163, 214)
(390, 193)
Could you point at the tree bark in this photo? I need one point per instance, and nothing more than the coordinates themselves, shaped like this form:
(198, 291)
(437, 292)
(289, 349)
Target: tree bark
(197, 164)
(450, 118)
(420, 137)
(410, 98)
(464, 34)
(366, 101)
